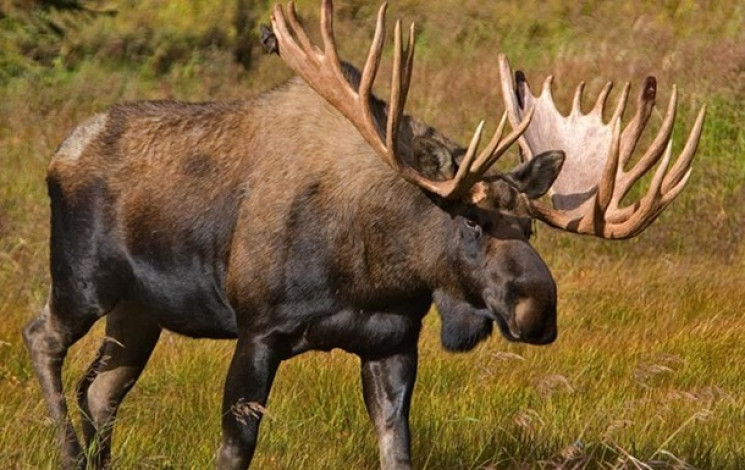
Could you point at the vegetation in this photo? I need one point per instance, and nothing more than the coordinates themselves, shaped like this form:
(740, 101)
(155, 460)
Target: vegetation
(647, 371)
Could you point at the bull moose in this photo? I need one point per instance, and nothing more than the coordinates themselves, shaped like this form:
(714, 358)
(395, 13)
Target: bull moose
(318, 216)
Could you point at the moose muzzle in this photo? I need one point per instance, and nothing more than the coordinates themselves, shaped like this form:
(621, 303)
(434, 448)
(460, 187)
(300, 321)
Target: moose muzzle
(521, 296)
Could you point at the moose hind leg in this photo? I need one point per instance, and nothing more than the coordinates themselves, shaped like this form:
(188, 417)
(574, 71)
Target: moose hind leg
(131, 335)
(48, 337)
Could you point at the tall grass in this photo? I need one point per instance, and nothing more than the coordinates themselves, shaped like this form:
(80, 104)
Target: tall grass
(647, 371)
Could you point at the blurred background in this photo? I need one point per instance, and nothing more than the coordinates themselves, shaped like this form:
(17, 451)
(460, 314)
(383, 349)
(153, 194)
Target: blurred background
(648, 368)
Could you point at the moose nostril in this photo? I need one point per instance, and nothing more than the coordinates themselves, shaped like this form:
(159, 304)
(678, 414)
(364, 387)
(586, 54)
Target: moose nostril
(536, 320)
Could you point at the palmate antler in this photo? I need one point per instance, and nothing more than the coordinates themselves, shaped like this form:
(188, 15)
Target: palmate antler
(587, 194)
(322, 71)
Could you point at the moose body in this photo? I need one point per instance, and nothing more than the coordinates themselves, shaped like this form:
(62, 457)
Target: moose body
(272, 222)
(297, 221)
(199, 211)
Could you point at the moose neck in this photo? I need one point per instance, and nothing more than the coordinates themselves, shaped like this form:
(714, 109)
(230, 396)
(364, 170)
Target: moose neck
(384, 235)
(404, 240)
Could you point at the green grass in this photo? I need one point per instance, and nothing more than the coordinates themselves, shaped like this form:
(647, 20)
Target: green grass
(648, 367)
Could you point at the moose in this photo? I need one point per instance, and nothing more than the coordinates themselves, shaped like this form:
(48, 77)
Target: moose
(318, 216)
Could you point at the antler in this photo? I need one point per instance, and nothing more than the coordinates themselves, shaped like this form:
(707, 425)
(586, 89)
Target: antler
(322, 71)
(588, 192)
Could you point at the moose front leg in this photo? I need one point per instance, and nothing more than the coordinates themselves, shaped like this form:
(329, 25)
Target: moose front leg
(249, 380)
(387, 385)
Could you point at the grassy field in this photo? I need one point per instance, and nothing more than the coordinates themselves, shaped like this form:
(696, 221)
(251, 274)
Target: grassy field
(649, 366)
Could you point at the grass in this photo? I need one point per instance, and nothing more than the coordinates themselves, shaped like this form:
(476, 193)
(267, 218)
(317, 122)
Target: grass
(647, 371)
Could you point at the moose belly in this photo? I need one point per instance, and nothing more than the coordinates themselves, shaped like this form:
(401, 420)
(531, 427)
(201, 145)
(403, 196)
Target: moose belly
(185, 299)
(365, 333)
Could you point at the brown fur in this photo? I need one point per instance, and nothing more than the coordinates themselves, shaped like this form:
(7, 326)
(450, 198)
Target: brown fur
(273, 221)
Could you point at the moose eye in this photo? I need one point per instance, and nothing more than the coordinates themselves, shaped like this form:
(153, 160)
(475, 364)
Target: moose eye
(473, 226)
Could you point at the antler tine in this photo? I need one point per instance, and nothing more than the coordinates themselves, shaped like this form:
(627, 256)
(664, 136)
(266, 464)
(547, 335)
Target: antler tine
(622, 100)
(465, 176)
(644, 107)
(281, 30)
(305, 43)
(370, 70)
(408, 65)
(503, 144)
(364, 93)
(404, 67)
(488, 158)
(399, 86)
(682, 165)
(546, 89)
(394, 103)
(656, 185)
(673, 192)
(327, 31)
(577, 100)
(608, 180)
(602, 99)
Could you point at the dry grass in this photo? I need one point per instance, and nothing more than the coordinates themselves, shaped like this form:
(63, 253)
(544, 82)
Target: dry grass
(647, 371)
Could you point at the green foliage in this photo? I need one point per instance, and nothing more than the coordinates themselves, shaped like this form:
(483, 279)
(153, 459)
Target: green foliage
(33, 33)
(648, 368)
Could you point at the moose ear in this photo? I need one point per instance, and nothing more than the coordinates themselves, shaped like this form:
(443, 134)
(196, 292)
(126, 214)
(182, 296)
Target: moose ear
(432, 158)
(534, 177)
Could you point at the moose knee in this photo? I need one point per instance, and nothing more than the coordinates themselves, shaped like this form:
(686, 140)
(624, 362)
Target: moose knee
(106, 392)
(40, 336)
